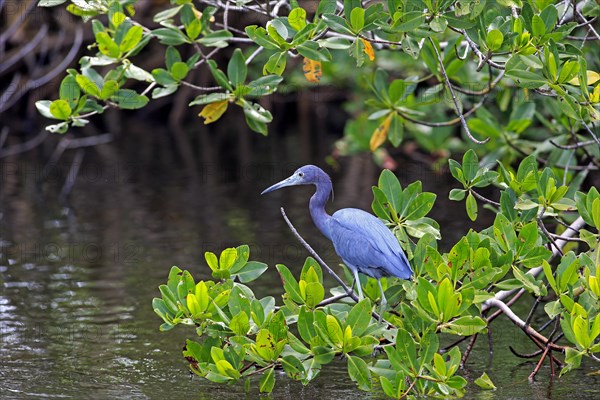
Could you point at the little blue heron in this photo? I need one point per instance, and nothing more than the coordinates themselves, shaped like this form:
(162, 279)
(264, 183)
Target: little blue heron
(362, 240)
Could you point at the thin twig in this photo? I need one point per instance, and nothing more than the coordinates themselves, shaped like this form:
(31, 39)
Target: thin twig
(332, 299)
(485, 199)
(339, 280)
(456, 105)
(545, 231)
(572, 146)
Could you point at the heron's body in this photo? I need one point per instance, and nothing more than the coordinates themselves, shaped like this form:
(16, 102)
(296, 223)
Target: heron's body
(362, 240)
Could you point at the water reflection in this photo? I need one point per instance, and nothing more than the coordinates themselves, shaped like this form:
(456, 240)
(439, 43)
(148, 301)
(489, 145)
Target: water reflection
(75, 312)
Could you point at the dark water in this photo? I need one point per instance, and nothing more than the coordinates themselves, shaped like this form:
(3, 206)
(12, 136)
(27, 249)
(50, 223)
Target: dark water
(76, 283)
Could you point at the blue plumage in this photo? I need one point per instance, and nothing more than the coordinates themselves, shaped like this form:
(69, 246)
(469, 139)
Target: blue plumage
(365, 243)
(362, 240)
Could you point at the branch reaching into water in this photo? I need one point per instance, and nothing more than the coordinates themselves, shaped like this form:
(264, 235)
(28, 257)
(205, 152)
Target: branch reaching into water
(560, 243)
(522, 324)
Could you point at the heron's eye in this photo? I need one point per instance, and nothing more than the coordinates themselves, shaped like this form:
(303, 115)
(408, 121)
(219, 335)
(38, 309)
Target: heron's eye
(300, 174)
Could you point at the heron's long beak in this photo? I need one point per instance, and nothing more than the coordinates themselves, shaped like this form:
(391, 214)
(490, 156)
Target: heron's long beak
(291, 181)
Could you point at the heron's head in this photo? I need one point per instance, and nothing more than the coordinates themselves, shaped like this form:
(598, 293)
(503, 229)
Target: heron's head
(307, 175)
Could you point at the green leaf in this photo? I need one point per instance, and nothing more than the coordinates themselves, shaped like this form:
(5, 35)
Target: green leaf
(236, 69)
(259, 36)
(290, 284)
(227, 258)
(337, 24)
(297, 18)
(465, 326)
(470, 165)
(170, 36)
(438, 24)
(504, 232)
(485, 382)
(568, 71)
(275, 64)
(359, 372)
(211, 260)
(529, 282)
(538, 26)
(315, 293)
(216, 38)
(172, 56)
(131, 39)
(167, 14)
(596, 213)
(550, 16)
(60, 109)
(409, 21)
(50, 3)
(305, 325)
(357, 19)
(69, 91)
(87, 85)
(129, 99)
(265, 345)
(359, 317)
(334, 330)
(420, 206)
(310, 49)
(267, 381)
(494, 39)
(581, 332)
(179, 70)
(219, 75)
(471, 205)
(240, 324)
(251, 271)
(278, 31)
(109, 89)
(391, 188)
(256, 112)
(457, 194)
(106, 45)
(526, 79)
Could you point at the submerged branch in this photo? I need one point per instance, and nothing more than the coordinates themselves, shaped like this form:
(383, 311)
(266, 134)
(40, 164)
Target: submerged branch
(522, 324)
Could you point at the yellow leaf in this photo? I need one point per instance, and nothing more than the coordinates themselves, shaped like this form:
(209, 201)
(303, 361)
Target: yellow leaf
(592, 77)
(312, 70)
(595, 96)
(380, 134)
(213, 111)
(368, 49)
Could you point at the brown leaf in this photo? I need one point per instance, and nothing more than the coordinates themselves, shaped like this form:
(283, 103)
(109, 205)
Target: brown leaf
(213, 111)
(368, 49)
(312, 70)
(380, 134)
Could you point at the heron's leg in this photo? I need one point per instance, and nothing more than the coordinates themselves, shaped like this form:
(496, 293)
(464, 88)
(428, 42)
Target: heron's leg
(383, 300)
(360, 293)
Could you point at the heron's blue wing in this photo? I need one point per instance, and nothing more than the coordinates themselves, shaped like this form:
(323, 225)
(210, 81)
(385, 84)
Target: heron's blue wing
(363, 240)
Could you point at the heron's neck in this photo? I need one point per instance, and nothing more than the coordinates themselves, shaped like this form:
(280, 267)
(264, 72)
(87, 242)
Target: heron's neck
(317, 207)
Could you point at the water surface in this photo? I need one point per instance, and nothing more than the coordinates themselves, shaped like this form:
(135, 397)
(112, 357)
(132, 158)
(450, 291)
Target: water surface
(76, 281)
